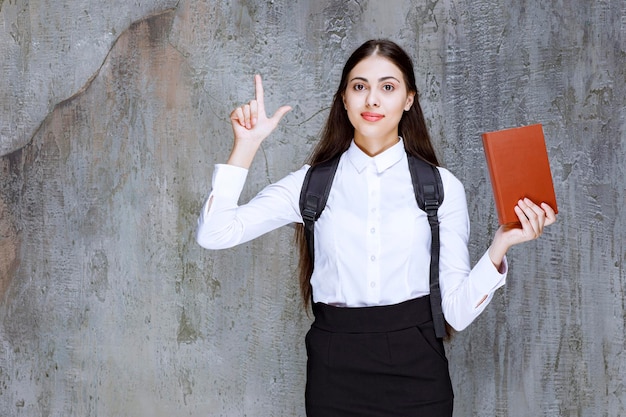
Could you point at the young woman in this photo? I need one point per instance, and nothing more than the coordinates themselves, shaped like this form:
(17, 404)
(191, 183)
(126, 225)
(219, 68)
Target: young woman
(372, 350)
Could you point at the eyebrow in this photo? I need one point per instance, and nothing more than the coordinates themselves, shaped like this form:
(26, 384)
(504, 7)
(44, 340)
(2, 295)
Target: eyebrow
(389, 77)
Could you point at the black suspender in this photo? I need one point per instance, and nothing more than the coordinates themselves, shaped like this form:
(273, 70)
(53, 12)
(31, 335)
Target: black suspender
(428, 194)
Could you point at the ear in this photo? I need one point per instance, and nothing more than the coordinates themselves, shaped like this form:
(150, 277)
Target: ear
(409, 100)
(343, 99)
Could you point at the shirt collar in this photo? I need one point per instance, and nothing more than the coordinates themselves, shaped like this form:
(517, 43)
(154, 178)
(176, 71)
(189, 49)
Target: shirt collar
(383, 161)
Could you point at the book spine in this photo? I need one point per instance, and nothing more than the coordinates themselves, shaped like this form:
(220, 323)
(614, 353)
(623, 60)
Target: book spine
(497, 192)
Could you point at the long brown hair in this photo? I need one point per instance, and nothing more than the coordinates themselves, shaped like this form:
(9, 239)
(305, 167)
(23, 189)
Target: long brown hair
(338, 132)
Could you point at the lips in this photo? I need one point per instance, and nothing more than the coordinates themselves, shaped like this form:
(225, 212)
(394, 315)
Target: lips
(372, 117)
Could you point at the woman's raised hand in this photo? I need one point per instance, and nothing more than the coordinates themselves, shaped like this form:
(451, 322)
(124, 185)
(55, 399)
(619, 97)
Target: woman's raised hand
(251, 126)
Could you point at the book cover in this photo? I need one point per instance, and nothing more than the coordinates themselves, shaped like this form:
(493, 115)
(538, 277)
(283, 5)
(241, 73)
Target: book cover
(518, 165)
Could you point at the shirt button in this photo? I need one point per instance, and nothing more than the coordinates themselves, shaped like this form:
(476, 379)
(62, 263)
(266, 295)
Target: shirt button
(372, 284)
(372, 258)
(373, 230)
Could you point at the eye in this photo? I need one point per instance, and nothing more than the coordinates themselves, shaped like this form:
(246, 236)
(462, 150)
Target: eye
(388, 87)
(358, 87)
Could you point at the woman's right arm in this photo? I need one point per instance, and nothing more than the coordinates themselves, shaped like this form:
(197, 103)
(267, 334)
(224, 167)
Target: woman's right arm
(222, 223)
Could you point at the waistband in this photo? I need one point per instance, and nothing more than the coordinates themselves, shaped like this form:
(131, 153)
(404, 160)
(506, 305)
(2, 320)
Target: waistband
(376, 319)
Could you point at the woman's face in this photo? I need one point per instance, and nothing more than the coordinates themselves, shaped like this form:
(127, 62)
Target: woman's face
(375, 98)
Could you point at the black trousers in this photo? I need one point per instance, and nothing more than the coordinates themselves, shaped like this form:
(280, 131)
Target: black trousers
(376, 362)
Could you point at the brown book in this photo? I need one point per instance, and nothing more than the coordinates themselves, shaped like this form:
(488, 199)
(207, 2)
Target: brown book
(518, 165)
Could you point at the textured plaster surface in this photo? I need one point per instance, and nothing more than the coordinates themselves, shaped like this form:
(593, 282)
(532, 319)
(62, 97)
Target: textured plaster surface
(112, 115)
(50, 50)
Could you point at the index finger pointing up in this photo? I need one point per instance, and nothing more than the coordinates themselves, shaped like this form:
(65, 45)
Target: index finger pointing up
(258, 84)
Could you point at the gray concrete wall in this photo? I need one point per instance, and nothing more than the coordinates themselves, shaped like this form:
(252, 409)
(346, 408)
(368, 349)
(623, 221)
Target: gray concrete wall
(109, 130)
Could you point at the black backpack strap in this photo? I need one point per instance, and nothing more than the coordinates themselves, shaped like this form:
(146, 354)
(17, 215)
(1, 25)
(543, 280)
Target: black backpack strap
(428, 190)
(315, 189)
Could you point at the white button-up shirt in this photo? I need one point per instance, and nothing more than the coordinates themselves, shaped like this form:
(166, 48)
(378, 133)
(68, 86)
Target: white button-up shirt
(372, 242)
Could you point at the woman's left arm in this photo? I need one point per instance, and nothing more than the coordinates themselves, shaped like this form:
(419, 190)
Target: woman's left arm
(466, 290)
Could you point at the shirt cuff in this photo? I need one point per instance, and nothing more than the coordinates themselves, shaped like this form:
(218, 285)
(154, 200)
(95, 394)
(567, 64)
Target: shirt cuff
(488, 277)
(228, 182)
(226, 186)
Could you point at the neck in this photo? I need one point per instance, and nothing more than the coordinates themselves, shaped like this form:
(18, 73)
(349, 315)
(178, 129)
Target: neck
(375, 146)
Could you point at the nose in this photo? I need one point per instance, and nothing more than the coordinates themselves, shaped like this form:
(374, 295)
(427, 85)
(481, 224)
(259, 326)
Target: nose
(372, 99)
